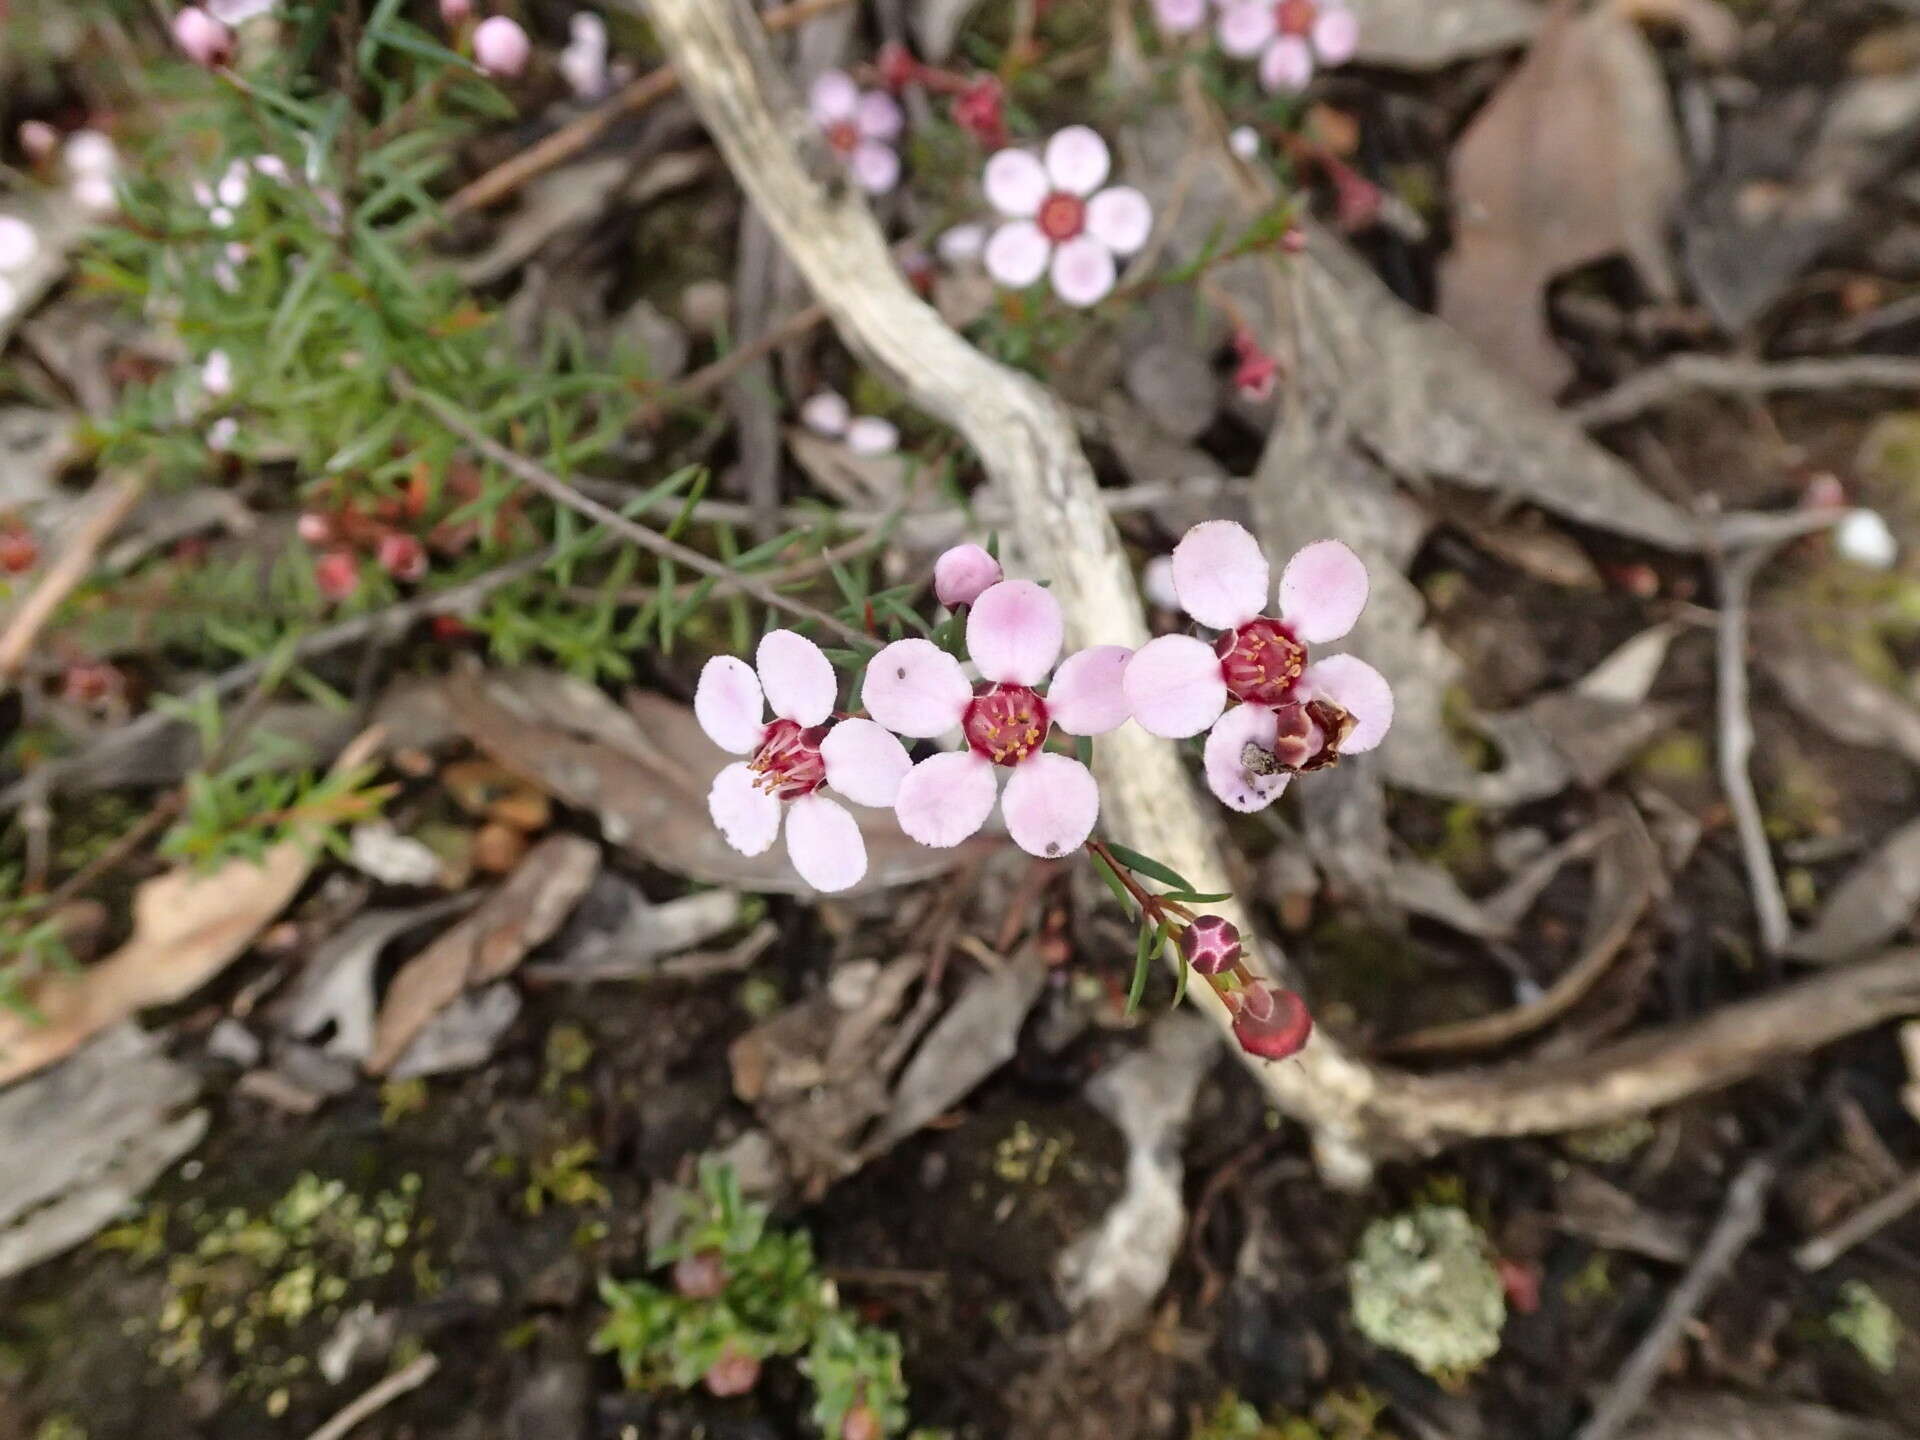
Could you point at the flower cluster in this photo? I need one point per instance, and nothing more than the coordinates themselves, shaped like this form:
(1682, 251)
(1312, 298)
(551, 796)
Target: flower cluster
(1290, 38)
(1004, 702)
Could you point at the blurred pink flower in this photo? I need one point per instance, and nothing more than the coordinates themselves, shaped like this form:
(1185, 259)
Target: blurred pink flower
(1291, 37)
(501, 47)
(1293, 715)
(861, 126)
(201, 38)
(583, 63)
(1014, 634)
(829, 414)
(1061, 223)
(792, 757)
(962, 573)
(1180, 17)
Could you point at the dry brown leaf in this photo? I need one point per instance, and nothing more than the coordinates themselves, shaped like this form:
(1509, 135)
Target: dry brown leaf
(1575, 158)
(187, 928)
(1873, 904)
(646, 774)
(523, 913)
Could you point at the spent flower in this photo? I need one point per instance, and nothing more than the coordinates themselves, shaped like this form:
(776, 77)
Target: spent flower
(861, 127)
(1060, 221)
(1014, 635)
(1295, 713)
(792, 758)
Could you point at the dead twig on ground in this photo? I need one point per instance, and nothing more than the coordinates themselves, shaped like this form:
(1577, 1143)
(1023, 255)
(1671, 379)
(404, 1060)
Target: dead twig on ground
(1683, 375)
(577, 134)
(1739, 1222)
(400, 1382)
(652, 541)
(115, 498)
(1830, 1244)
(712, 376)
(1736, 574)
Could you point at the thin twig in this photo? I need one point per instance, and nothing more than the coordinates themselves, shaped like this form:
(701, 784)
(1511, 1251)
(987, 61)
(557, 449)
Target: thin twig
(1736, 747)
(410, 1377)
(68, 570)
(559, 491)
(1739, 1222)
(576, 135)
(1829, 1245)
(1683, 375)
(711, 377)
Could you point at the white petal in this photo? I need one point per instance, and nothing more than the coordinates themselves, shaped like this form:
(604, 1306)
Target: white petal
(728, 705)
(1120, 218)
(748, 817)
(1051, 805)
(824, 843)
(1017, 254)
(946, 798)
(1077, 160)
(1015, 183)
(797, 677)
(865, 762)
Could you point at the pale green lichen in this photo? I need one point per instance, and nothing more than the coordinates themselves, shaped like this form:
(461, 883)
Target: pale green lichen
(1424, 1284)
(1868, 1323)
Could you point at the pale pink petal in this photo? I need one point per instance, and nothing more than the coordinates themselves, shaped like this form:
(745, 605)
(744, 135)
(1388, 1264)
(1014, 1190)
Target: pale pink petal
(1014, 632)
(962, 243)
(1227, 775)
(915, 688)
(1245, 27)
(1177, 17)
(1051, 805)
(1082, 272)
(1220, 574)
(1088, 695)
(1174, 686)
(826, 413)
(870, 435)
(727, 704)
(1359, 689)
(1244, 141)
(875, 167)
(1017, 254)
(1336, 35)
(834, 98)
(824, 843)
(1156, 583)
(1077, 160)
(1120, 218)
(1286, 64)
(879, 116)
(865, 762)
(962, 572)
(1015, 183)
(946, 798)
(1322, 591)
(748, 818)
(797, 677)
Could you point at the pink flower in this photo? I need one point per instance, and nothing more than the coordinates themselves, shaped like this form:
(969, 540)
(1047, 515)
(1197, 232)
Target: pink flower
(1061, 223)
(861, 127)
(1291, 37)
(962, 573)
(337, 573)
(829, 414)
(201, 38)
(870, 435)
(501, 47)
(38, 140)
(1014, 633)
(791, 758)
(1293, 715)
(1179, 17)
(583, 63)
(1254, 370)
(402, 556)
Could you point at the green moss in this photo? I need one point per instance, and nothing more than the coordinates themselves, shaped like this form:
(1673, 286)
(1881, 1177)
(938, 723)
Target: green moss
(1868, 1323)
(1610, 1144)
(1424, 1284)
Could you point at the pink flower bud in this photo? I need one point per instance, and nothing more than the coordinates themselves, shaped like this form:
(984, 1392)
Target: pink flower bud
(1271, 1023)
(733, 1374)
(700, 1277)
(402, 556)
(1211, 944)
(337, 573)
(201, 38)
(501, 47)
(456, 13)
(1254, 373)
(314, 528)
(960, 574)
(38, 140)
(898, 69)
(19, 551)
(980, 111)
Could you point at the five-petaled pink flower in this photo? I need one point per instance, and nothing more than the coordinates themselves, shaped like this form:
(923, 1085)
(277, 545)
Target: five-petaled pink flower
(1014, 634)
(1061, 223)
(1293, 715)
(1291, 37)
(792, 757)
(861, 128)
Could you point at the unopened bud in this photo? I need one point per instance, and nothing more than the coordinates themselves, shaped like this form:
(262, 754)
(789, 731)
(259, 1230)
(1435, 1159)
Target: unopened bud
(1211, 944)
(1271, 1023)
(501, 47)
(201, 38)
(733, 1373)
(962, 573)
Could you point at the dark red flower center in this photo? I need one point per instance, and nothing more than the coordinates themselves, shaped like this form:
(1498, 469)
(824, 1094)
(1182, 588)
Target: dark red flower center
(788, 765)
(1261, 662)
(1062, 216)
(1295, 17)
(844, 136)
(1006, 723)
